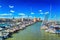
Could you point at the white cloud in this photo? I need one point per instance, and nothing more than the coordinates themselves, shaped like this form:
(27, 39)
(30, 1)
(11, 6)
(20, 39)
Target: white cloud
(10, 6)
(40, 10)
(46, 12)
(5, 14)
(32, 13)
(22, 14)
(41, 13)
(12, 11)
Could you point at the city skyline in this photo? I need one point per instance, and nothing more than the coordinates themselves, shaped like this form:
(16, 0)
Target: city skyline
(31, 8)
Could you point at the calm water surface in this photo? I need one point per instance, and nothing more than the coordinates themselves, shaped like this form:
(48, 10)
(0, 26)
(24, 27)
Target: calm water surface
(34, 32)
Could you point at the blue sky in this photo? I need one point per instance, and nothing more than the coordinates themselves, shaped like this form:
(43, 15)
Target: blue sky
(31, 8)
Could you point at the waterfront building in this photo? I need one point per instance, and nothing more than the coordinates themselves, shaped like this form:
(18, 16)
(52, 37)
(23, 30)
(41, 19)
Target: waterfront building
(35, 19)
(22, 19)
(38, 19)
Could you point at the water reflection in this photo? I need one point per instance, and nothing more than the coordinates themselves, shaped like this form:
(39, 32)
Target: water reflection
(34, 32)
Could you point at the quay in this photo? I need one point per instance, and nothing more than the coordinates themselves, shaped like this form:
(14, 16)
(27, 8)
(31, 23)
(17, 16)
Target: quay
(33, 32)
(9, 28)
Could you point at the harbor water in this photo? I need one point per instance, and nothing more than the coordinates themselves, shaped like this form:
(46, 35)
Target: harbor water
(34, 32)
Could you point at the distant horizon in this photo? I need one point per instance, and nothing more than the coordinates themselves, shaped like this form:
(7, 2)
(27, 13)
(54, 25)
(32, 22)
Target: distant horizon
(31, 8)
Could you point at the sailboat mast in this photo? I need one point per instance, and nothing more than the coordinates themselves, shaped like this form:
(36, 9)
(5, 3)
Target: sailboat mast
(50, 11)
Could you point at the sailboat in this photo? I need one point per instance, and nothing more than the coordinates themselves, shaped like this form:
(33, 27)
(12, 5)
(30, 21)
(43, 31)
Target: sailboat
(53, 27)
(45, 22)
